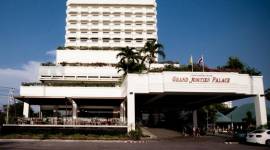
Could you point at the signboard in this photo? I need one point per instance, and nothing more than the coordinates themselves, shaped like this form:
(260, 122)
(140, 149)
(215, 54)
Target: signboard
(201, 79)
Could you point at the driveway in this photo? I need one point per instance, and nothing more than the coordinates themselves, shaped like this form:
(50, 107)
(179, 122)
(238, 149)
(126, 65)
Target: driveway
(185, 143)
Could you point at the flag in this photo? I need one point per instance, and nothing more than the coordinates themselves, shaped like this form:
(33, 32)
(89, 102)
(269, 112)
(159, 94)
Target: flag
(200, 61)
(191, 62)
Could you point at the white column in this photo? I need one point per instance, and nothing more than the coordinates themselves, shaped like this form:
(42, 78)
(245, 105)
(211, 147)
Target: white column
(260, 104)
(26, 107)
(122, 112)
(260, 109)
(74, 109)
(131, 111)
(195, 119)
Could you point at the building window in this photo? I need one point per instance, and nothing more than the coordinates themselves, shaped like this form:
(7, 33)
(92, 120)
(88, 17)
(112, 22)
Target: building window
(128, 23)
(73, 22)
(94, 23)
(73, 13)
(117, 23)
(84, 22)
(117, 14)
(127, 14)
(150, 31)
(139, 40)
(84, 39)
(106, 23)
(72, 39)
(116, 40)
(128, 40)
(94, 40)
(128, 32)
(106, 40)
(106, 14)
(95, 14)
(84, 13)
(150, 40)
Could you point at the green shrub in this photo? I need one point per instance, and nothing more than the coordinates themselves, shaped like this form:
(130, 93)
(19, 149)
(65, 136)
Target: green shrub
(135, 134)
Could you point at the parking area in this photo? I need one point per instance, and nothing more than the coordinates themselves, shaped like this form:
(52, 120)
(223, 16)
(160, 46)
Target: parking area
(187, 143)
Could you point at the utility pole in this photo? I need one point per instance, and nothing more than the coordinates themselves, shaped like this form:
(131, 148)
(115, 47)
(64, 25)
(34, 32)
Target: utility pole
(11, 98)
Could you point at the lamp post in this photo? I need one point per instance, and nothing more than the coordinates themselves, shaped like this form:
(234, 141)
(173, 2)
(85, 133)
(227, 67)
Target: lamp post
(206, 121)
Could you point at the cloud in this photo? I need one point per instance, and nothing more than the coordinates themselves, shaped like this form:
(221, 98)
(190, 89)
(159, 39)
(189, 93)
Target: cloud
(51, 53)
(10, 77)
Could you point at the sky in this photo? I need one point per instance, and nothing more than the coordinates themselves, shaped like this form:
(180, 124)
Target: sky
(31, 30)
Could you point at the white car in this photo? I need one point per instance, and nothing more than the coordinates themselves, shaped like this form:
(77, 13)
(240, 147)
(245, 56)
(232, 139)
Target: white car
(261, 136)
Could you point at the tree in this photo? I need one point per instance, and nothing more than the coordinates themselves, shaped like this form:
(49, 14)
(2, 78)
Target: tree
(15, 110)
(234, 63)
(248, 119)
(211, 111)
(150, 51)
(267, 94)
(129, 61)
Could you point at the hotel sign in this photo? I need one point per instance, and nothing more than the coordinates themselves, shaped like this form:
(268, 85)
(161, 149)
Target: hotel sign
(201, 79)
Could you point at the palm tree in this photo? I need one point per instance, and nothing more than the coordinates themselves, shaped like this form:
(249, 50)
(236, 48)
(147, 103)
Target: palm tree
(129, 60)
(150, 51)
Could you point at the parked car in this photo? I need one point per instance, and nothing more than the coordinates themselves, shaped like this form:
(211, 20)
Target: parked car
(261, 136)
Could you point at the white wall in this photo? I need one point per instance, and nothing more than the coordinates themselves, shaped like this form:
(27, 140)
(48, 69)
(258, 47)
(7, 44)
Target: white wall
(159, 82)
(86, 56)
(93, 92)
(163, 82)
(77, 71)
(137, 2)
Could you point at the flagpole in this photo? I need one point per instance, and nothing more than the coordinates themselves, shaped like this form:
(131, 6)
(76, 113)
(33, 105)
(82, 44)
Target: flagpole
(191, 62)
(203, 62)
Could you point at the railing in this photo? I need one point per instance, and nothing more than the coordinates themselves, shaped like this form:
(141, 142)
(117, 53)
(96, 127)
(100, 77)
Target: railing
(70, 121)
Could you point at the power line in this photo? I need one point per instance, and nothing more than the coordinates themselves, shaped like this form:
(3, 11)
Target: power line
(6, 87)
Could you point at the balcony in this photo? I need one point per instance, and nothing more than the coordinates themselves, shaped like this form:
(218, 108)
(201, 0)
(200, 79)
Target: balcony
(72, 9)
(72, 26)
(68, 34)
(73, 17)
(79, 73)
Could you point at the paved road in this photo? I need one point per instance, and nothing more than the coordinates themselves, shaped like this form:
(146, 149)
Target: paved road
(203, 143)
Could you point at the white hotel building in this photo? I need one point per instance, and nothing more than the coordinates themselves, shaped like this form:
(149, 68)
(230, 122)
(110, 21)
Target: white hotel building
(85, 83)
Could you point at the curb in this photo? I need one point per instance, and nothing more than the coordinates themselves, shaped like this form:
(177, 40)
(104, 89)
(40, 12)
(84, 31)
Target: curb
(230, 143)
(86, 141)
(137, 142)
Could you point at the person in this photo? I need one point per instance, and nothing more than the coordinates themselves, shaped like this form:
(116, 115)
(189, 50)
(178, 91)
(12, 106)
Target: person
(194, 131)
(198, 132)
(184, 131)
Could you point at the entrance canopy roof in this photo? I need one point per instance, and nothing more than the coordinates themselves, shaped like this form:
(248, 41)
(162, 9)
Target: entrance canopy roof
(161, 89)
(183, 100)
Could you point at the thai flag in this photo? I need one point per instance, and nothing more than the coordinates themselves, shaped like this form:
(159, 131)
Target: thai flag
(201, 61)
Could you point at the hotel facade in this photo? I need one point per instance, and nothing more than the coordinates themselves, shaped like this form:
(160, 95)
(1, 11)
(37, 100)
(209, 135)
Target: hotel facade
(86, 89)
